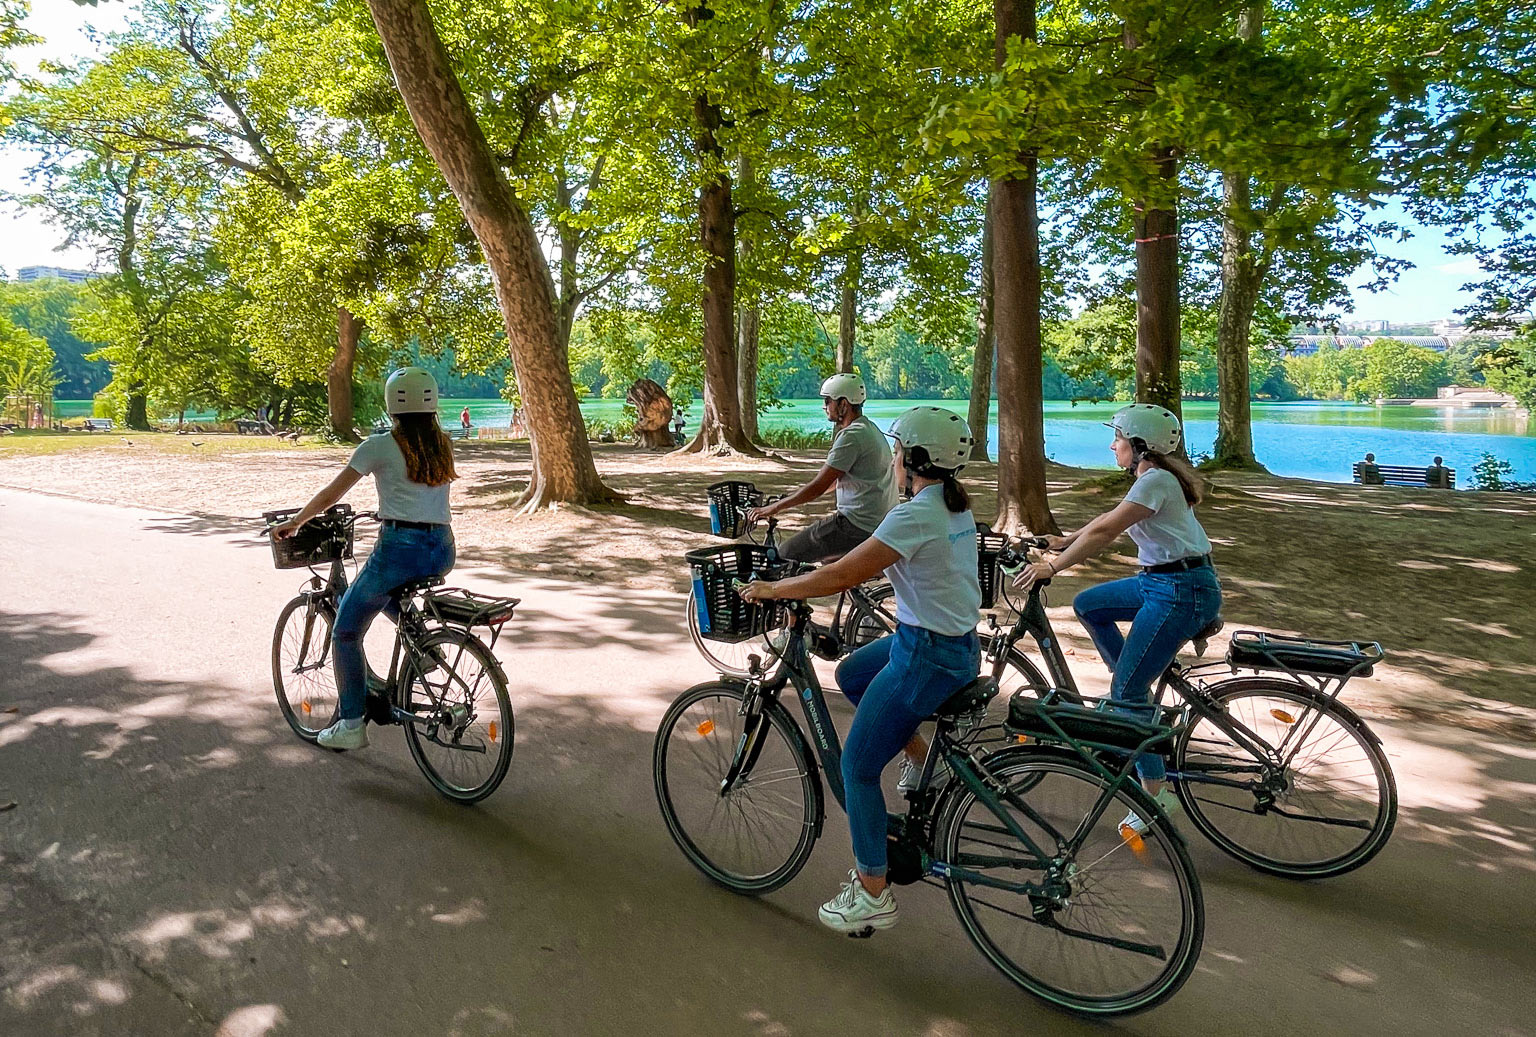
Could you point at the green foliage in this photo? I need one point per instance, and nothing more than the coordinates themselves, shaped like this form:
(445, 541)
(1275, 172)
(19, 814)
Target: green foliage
(797, 439)
(47, 308)
(1511, 368)
(26, 362)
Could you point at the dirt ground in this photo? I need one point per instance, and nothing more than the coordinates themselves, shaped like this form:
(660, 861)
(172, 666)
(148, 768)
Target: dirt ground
(1442, 580)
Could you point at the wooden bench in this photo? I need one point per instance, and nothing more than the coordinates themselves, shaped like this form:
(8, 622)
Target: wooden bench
(98, 424)
(1404, 475)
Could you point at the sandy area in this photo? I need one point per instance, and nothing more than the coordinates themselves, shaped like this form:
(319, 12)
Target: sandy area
(1442, 580)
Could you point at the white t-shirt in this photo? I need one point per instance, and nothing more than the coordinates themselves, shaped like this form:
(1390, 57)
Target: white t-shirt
(866, 491)
(399, 498)
(936, 584)
(1172, 532)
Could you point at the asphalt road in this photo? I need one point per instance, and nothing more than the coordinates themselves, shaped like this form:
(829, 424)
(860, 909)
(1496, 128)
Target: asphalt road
(178, 863)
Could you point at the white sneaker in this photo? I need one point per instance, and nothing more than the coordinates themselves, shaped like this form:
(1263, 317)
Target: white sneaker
(1166, 799)
(343, 735)
(911, 773)
(854, 910)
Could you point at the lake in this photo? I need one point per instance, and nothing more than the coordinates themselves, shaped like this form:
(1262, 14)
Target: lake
(1307, 440)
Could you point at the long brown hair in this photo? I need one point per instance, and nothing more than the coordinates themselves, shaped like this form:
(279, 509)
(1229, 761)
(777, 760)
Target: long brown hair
(1180, 469)
(428, 450)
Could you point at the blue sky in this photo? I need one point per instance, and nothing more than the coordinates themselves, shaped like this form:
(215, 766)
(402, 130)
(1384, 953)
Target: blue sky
(1432, 289)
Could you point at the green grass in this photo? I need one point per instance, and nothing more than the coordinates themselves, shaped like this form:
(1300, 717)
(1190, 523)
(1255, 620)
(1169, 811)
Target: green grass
(37, 442)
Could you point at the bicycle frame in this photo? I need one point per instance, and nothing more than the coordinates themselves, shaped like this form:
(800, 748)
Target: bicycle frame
(797, 672)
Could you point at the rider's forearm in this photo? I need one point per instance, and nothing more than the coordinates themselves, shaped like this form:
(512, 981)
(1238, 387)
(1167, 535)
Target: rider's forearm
(318, 503)
(1086, 543)
(819, 583)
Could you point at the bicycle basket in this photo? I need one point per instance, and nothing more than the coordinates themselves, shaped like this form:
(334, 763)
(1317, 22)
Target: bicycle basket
(320, 541)
(723, 614)
(728, 504)
(989, 546)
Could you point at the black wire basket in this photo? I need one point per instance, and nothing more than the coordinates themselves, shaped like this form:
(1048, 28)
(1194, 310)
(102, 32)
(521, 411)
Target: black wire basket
(728, 504)
(989, 546)
(320, 541)
(718, 573)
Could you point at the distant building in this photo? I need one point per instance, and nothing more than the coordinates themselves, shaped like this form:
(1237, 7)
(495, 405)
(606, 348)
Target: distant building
(39, 273)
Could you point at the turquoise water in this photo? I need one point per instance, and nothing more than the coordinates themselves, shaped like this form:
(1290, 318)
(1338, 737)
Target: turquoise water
(1306, 440)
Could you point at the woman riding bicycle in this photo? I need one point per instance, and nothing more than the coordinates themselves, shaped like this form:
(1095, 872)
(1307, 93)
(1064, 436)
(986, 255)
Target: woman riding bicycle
(926, 547)
(1175, 596)
(412, 466)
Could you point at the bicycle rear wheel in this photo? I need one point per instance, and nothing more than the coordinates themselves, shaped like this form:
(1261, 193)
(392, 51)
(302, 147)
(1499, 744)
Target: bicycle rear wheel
(303, 672)
(1330, 809)
(1113, 925)
(755, 837)
(463, 732)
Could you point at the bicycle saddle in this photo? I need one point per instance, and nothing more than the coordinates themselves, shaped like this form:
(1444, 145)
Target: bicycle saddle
(1207, 632)
(969, 699)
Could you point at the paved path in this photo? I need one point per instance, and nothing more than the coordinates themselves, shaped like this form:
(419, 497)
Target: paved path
(178, 863)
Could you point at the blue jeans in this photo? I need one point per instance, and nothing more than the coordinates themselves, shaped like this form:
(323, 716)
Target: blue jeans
(896, 683)
(400, 556)
(1165, 610)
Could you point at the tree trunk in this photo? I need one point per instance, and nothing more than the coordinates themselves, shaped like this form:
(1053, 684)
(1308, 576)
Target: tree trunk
(1157, 302)
(746, 368)
(1241, 275)
(563, 470)
(848, 310)
(720, 427)
(137, 417)
(338, 377)
(1022, 500)
(986, 348)
(749, 322)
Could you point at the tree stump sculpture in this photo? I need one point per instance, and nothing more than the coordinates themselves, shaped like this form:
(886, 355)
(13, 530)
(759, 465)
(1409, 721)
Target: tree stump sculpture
(653, 414)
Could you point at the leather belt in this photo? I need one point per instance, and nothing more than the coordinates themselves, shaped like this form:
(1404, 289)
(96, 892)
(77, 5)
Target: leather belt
(1182, 565)
(402, 524)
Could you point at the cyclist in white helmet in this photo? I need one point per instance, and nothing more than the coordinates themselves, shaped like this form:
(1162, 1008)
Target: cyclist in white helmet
(1175, 595)
(412, 465)
(926, 546)
(859, 465)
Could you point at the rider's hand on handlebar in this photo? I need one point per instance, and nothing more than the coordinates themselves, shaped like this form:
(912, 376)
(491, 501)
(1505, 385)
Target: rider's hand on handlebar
(1031, 573)
(757, 590)
(1056, 543)
(756, 515)
(284, 530)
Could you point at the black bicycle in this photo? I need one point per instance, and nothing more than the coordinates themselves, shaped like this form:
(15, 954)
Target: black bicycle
(1026, 840)
(444, 686)
(1274, 770)
(860, 614)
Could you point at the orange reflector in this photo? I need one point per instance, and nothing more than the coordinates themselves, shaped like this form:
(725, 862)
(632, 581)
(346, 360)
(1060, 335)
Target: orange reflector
(1282, 716)
(493, 730)
(1021, 739)
(306, 707)
(706, 727)
(1132, 838)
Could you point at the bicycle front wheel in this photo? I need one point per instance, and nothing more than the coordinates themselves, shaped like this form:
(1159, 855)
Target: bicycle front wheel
(461, 729)
(755, 835)
(729, 658)
(1327, 809)
(1099, 923)
(303, 672)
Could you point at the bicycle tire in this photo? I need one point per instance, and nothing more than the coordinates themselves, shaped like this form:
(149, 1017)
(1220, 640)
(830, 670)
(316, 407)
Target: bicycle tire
(1237, 830)
(308, 705)
(1160, 887)
(729, 658)
(498, 733)
(860, 627)
(681, 769)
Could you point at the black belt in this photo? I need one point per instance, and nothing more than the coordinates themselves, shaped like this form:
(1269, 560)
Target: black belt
(402, 524)
(1182, 565)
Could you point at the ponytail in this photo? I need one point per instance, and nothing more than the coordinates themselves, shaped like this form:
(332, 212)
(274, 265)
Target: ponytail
(955, 497)
(1180, 469)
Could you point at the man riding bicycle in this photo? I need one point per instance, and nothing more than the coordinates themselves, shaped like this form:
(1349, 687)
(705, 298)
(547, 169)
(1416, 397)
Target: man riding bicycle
(859, 465)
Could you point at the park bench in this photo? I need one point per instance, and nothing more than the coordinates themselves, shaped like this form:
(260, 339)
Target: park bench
(1405, 475)
(459, 433)
(98, 424)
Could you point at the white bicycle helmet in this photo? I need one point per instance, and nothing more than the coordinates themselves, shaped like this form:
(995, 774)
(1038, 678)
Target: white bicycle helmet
(942, 435)
(411, 390)
(845, 386)
(1158, 427)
